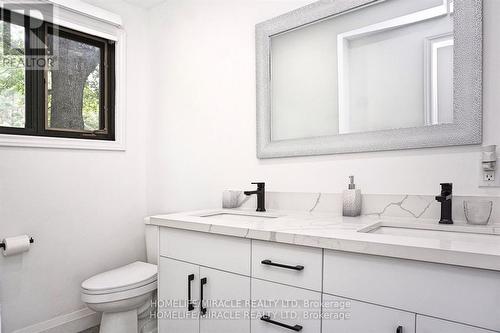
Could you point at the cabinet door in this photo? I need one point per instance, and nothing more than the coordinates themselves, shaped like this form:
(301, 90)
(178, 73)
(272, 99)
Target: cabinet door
(278, 308)
(432, 325)
(177, 312)
(347, 316)
(226, 298)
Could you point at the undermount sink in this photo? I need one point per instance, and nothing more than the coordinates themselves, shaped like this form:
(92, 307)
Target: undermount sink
(441, 232)
(243, 216)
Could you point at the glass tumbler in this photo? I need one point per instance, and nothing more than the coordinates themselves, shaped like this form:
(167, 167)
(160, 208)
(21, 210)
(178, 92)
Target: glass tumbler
(478, 212)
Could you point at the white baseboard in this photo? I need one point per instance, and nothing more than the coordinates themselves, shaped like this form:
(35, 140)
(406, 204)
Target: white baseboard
(69, 323)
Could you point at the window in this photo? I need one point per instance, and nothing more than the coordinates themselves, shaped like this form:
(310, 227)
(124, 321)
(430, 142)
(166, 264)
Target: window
(54, 81)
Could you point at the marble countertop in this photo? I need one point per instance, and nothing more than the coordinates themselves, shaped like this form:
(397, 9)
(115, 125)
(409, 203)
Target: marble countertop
(464, 246)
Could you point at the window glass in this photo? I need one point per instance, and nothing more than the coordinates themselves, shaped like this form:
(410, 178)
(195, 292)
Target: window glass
(55, 81)
(74, 85)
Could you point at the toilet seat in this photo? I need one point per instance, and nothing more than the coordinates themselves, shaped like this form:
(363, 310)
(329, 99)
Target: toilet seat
(125, 282)
(118, 296)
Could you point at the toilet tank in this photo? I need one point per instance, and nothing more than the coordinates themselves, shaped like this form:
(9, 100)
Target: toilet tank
(152, 242)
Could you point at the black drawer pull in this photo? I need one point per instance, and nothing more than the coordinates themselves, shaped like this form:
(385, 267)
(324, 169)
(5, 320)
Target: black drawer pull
(270, 263)
(399, 329)
(267, 319)
(203, 310)
(190, 303)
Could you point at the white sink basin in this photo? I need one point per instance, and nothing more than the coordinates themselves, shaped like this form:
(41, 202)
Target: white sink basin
(444, 235)
(243, 216)
(442, 232)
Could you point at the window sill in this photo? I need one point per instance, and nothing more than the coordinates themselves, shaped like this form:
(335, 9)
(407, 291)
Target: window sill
(8, 140)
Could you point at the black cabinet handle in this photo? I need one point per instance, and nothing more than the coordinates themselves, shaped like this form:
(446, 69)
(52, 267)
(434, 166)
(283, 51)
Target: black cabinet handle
(203, 310)
(270, 263)
(190, 303)
(267, 319)
(399, 329)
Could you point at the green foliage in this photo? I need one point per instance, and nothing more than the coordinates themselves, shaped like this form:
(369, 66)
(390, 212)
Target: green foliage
(12, 88)
(91, 101)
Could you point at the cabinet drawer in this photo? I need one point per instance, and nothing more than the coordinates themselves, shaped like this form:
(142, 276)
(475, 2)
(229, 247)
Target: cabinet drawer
(231, 254)
(293, 308)
(348, 316)
(466, 295)
(288, 264)
(432, 325)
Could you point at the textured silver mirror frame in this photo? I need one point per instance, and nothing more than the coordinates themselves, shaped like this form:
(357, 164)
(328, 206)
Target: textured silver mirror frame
(467, 126)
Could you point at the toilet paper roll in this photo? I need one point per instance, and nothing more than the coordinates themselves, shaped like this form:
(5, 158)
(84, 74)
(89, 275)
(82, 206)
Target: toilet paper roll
(16, 245)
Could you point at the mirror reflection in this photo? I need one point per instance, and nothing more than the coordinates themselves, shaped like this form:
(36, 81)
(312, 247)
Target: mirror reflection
(385, 66)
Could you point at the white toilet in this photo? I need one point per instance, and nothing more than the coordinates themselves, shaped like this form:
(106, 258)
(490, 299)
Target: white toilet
(124, 293)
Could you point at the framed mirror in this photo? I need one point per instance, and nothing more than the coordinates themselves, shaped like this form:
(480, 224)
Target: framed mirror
(344, 76)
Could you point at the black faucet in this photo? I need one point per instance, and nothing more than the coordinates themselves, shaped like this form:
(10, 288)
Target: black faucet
(261, 196)
(445, 200)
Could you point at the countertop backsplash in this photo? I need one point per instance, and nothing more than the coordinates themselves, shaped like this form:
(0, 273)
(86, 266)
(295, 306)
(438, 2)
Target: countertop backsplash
(382, 205)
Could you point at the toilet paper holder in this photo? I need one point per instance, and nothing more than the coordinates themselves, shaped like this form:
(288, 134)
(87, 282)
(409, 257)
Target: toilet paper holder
(2, 245)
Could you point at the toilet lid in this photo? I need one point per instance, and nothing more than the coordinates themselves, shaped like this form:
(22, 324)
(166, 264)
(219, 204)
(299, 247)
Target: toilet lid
(126, 277)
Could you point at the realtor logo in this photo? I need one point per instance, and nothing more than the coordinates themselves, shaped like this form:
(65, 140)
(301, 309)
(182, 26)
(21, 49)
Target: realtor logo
(21, 26)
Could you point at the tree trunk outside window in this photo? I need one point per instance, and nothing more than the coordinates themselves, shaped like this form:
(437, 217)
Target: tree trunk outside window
(75, 61)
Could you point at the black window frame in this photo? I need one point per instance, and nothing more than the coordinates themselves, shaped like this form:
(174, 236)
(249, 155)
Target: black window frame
(36, 83)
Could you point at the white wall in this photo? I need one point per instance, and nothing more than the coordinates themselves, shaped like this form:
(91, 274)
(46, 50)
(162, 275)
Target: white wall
(203, 138)
(85, 209)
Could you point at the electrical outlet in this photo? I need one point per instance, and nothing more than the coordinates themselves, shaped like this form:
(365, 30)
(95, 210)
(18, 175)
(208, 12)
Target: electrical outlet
(489, 176)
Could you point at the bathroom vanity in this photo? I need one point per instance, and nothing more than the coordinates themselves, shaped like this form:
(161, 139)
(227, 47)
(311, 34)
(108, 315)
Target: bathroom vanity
(280, 271)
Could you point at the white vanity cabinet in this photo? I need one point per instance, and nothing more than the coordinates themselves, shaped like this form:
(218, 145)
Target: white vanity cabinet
(230, 254)
(286, 286)
(280, 308)
(458, 294)
(298, 266)
(199, 299)
(348, 316)
(433, 325)
(229, 302)
(268, 287)
(210, 272)
(176, 283)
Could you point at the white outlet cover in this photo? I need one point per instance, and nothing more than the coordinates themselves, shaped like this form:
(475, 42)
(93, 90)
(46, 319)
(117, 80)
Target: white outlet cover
(483, 183)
